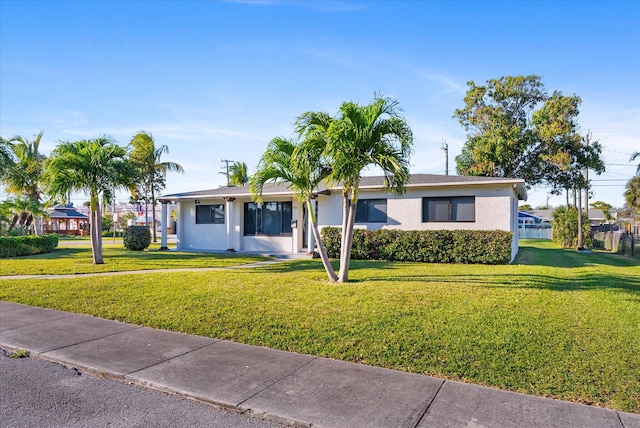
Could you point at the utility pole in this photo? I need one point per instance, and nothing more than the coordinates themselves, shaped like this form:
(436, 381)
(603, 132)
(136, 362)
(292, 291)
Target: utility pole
(586, 176)
(226, 168)
(445, 147)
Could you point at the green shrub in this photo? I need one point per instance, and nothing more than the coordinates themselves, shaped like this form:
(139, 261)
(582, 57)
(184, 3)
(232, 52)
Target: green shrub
(432, 246)
(16, 246)
(136, 238)
(565, 227)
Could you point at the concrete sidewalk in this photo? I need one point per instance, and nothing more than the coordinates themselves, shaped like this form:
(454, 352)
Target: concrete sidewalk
(291, 388)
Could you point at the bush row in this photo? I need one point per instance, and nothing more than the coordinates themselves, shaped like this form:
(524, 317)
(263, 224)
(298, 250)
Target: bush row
(432, 246)
(16, 246)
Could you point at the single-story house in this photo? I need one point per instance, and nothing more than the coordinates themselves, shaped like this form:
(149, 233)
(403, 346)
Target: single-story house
(528, 217)
(227, 218)
(66, 220)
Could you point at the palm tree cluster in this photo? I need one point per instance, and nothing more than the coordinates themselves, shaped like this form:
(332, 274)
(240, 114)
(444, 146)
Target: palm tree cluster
(337, 149)
(97, 167)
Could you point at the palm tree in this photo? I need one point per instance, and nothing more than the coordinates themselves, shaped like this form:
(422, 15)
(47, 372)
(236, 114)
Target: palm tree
(633, 157)
(6, 157)
(632, 193)
(21, 212)
(145, 157)
(300, 166)
(24, 173)
(23, 178)
(360, 136)
(239, 174)
(98, 167)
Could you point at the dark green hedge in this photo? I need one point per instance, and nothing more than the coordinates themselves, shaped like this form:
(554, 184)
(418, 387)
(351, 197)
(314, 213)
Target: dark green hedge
(136, 238)
(16, 246)
(432, 246)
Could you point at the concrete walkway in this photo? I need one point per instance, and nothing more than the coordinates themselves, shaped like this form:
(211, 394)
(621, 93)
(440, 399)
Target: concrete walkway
(286, 387)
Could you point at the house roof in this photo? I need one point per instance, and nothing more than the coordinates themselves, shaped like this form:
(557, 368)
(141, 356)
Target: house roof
(64, 211)
(373, 182)
(544, 215)
(594, 214)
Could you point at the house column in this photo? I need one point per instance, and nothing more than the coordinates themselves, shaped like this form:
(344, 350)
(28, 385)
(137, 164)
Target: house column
(228, 215)
(163, 219)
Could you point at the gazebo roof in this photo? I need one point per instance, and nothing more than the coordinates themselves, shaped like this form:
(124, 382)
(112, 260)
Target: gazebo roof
(63, 211)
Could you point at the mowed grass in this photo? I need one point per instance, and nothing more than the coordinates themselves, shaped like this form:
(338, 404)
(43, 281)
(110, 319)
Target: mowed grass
(557, 323)
(77, 259)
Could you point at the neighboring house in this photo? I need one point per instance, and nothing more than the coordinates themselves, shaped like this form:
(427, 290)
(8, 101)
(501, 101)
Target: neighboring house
(227, 219)
(66, 220)
(529, 217)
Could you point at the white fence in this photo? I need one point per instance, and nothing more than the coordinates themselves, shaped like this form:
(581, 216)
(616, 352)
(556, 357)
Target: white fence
(534, 233)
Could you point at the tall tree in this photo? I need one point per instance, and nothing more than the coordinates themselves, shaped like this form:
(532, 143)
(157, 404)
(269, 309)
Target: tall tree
(634, 156)
(360, 136)
(632, 194)
(518, 130)
(98, 167)
(24, 176)
(6, 157)
(301, 167)
(239, 174)
(152, 172)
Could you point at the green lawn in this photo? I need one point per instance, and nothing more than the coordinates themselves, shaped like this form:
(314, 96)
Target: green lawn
(557, 323)
(74, 259)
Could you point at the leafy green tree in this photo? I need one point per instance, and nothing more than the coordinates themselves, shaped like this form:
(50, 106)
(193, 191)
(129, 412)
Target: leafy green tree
(632, 193)
(358, 137)
(98, 167)
(525, 207)
(518, 130)
(152, 172)
(301, 167)
(565, 226)
(238, 174)
(605, 207)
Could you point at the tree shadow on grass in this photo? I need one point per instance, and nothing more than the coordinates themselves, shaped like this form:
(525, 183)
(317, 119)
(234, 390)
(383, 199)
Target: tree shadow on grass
(570, 258)
(587, 281)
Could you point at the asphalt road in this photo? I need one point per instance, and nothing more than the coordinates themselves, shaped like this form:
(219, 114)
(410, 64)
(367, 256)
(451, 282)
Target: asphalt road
(43, 394)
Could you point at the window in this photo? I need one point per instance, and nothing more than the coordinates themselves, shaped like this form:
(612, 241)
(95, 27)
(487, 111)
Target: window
(371, 211)
(459, 208)
(210, 214)
(269, 218)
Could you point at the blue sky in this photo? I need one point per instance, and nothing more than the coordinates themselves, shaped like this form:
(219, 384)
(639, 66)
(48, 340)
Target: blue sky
(219, 80)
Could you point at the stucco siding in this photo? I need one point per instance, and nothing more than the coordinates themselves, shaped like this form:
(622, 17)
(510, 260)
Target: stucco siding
(194, 236)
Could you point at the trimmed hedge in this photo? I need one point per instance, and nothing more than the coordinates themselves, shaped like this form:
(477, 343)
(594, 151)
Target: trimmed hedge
(432, 246)
(16, 246)
(136, 238)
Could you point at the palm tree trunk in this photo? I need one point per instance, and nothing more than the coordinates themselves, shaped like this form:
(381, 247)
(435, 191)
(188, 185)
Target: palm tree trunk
(345, 220)
(14, 221)
(96, 230)
(331, 273)
(153, 214)
(345, 250)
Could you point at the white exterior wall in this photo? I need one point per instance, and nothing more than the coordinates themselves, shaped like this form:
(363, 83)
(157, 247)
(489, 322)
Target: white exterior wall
(496, 208)
(213, 237)
(192, 236)
(493, 209)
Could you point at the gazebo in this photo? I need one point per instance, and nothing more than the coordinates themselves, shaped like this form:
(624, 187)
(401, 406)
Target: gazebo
(66, 220)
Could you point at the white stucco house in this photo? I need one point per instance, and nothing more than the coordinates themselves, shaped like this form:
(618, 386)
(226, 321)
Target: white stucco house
(226, 219)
